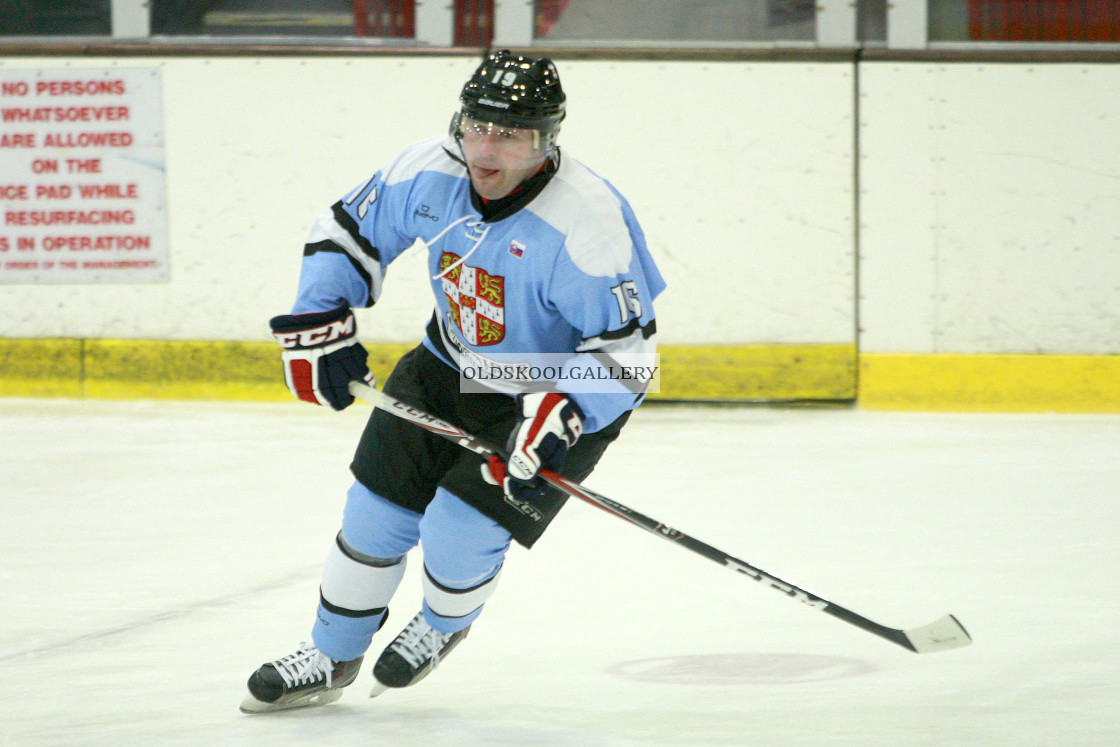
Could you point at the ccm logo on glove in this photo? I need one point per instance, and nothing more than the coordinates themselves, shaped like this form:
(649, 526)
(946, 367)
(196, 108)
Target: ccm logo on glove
(310, 338)
(322, 356)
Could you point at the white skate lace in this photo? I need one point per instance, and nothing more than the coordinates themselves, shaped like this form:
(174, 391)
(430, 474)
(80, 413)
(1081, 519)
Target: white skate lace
(308, 664)
(419, 642)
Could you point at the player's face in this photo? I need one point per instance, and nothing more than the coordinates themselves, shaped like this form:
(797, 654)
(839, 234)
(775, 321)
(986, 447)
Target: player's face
(499, 158)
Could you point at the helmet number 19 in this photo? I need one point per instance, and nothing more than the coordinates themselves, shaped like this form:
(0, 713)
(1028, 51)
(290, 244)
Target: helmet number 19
(505, 77)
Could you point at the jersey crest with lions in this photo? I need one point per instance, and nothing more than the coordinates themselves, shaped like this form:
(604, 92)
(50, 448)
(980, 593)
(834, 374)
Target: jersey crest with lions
(477, 301)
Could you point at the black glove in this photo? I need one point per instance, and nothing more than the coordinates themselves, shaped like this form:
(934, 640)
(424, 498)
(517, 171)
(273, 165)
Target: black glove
(322, 355)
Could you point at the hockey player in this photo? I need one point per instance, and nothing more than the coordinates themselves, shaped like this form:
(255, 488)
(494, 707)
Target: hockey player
(530, 253)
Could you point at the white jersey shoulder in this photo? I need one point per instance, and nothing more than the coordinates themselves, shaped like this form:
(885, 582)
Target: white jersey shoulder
(580, 205)
(426, 155)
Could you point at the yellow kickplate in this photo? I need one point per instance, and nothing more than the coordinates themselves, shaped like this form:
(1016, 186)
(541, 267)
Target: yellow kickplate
(758, 372)
(185, 369)
(990, 383)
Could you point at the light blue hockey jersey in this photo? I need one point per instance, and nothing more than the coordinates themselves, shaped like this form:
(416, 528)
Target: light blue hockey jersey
(567, 273)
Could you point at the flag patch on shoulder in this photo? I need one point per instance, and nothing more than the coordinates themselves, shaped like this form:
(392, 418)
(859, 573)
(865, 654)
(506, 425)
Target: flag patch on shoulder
(516, 248)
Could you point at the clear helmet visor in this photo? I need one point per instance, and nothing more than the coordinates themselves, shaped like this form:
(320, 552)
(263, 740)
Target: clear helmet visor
(493, 142)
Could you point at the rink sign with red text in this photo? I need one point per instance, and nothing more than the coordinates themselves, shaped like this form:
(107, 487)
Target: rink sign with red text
(82, 191)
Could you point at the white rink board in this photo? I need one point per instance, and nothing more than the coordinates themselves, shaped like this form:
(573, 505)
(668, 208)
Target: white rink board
(990, 208)
(740, 173)
(742, 177)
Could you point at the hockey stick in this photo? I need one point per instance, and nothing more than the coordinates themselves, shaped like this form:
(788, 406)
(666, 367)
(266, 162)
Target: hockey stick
(940, 635)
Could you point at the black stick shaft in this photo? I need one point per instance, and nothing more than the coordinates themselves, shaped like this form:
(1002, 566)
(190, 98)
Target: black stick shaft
(575, 490)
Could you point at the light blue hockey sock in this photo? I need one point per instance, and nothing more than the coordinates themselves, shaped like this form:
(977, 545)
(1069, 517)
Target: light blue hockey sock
(362, 572)
(463, 555)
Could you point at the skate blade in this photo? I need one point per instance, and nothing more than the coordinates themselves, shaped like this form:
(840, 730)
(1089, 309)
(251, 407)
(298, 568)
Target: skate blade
(252, 705)
(378, 688)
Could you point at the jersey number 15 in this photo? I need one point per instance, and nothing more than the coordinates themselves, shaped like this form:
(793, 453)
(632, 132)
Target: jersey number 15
(629, 305)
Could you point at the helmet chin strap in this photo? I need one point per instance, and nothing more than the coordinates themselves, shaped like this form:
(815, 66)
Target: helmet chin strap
(453, 129)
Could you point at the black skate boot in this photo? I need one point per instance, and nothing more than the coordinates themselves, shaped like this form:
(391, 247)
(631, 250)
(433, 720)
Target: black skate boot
(306, 678)
(413, 654)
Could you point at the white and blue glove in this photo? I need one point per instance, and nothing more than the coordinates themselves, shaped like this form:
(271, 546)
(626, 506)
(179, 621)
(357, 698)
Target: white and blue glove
(550, 425)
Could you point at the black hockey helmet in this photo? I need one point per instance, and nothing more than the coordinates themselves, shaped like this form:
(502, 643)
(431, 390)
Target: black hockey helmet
(515, 91)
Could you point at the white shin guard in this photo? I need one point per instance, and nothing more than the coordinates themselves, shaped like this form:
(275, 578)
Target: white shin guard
(449, 602)
(359, 583)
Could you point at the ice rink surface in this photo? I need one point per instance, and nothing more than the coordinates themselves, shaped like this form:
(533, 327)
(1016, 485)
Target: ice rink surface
(153, 554)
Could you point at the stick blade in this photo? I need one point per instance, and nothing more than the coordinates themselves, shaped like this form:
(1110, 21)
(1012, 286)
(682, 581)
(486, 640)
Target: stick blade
(940, 635)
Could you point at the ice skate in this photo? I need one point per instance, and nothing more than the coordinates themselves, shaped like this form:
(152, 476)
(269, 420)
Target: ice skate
(306, 678)
(413, 654)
